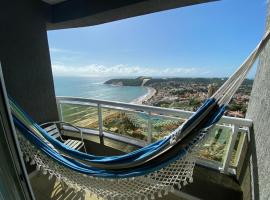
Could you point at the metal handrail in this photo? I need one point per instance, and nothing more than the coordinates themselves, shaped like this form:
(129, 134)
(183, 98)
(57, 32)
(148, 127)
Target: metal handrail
(157, 110)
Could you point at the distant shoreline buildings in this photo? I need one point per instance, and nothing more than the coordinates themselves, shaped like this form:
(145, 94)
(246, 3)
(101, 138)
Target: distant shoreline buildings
(188, 93)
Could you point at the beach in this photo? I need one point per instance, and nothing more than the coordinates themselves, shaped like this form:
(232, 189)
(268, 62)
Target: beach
(150, 93)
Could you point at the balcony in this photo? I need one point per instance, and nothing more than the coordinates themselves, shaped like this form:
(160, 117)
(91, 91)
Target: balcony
(111, 128)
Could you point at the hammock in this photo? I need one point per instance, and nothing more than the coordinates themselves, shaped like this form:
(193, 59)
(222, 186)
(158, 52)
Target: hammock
(153, 170)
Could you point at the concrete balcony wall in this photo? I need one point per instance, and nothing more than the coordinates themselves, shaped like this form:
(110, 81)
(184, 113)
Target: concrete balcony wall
(259, 112)
(25, 59)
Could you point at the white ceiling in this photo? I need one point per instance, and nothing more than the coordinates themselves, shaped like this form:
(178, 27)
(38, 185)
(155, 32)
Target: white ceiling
(53, 1)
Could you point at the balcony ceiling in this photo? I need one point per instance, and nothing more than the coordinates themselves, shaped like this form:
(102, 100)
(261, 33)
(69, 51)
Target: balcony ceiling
(80, 13)
(52, 2)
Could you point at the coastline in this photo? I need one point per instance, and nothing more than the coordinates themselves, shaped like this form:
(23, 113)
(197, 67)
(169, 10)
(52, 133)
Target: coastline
(150, 93)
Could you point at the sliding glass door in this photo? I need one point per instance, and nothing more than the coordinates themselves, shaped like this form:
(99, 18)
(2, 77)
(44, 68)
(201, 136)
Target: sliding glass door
(14, 183)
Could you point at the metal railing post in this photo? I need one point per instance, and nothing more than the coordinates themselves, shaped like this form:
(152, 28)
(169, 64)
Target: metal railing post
(100, 124)
(229, 152)
(149, 128)
(59, 110)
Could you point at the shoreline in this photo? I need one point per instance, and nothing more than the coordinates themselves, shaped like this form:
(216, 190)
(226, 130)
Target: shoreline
(150, 93)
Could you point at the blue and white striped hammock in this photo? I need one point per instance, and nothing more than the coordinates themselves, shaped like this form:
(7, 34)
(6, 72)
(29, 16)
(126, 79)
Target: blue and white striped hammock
(107, 163)
(146, 161)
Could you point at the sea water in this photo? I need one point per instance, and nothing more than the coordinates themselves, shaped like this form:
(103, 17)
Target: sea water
(94, 87)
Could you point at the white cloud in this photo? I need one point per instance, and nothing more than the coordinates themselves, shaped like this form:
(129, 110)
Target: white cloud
(64, 51)
(63, 56)
(59, 69)
(56, 50)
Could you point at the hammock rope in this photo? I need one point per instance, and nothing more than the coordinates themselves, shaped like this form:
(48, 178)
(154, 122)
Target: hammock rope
(151, 171)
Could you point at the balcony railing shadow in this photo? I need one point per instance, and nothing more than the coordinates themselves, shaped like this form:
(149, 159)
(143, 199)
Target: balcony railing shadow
(45, 189)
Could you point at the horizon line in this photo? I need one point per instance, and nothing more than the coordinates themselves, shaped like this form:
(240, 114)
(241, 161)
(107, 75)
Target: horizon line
(152, 77)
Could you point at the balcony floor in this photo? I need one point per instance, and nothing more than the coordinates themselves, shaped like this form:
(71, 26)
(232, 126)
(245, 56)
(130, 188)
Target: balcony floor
(208, 184)
(45, 189)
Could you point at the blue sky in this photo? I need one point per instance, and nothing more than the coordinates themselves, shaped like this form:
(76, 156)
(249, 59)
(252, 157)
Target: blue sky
(206, 40)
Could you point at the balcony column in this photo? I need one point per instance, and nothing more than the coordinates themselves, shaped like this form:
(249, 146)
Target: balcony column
(259, 112)
(25, 59)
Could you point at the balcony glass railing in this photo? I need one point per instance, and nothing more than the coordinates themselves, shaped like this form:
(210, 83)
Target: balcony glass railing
(138, 125)
(84, 116)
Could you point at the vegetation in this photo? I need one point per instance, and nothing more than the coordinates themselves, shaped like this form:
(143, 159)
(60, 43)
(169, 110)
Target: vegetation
(180, 93)
(194, 102)
(125, 82)
(136, 126)
(190, 93)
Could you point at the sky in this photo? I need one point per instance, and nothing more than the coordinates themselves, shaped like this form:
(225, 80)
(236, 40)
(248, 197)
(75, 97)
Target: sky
(206, 40)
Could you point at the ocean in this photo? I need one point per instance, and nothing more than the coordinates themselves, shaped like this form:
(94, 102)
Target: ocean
(93, 87)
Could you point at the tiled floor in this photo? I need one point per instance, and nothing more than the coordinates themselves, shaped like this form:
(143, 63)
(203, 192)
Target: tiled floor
(45, 189)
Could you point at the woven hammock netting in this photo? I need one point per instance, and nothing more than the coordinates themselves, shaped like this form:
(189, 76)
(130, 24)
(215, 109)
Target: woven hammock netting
(157, 184)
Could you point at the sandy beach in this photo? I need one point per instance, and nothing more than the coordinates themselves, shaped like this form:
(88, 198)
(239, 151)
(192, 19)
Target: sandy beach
(150, 93)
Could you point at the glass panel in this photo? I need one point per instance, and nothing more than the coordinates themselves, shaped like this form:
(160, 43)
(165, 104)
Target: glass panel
(126, 123)
(14, 182)
(215, 146)
(135, 124)
(84, 116)
(10, 185)
(163, 126)
(237, 151)
(124, 147)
